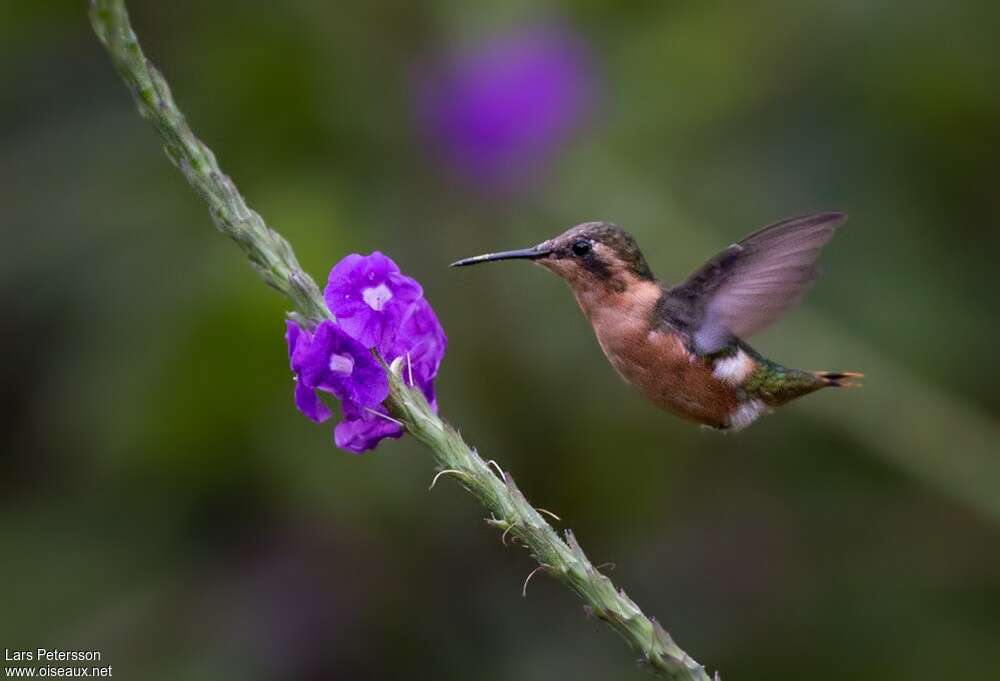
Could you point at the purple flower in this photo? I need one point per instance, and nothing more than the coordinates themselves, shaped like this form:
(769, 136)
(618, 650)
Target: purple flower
(369, 296)
(503, 107)
(376, 306)
(332, 361)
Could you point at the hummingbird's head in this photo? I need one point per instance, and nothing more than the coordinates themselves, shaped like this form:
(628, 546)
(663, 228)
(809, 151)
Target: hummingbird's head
(593, 255)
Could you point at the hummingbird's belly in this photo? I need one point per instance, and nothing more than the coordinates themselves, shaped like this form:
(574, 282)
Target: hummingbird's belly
(660, 366)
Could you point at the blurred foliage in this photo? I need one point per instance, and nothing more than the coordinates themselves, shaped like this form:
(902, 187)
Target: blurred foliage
(162, 501)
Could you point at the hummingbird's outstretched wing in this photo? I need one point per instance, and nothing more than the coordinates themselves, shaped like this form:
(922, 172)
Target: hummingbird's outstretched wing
(752, 283)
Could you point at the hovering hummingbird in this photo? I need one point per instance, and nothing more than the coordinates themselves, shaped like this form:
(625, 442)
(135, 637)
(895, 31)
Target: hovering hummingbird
(682, 346)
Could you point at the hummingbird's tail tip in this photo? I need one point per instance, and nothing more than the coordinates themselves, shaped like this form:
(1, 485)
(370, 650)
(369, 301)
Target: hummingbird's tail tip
(840, 379)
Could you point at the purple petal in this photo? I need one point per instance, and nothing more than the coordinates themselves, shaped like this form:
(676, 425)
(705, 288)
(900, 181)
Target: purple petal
(362, 430)
(298, 340)
(421, 343)
(306, 400)
(309, 403)
(293, 332)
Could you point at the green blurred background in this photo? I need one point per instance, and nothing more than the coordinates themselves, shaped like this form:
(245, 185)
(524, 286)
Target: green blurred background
(163, 502)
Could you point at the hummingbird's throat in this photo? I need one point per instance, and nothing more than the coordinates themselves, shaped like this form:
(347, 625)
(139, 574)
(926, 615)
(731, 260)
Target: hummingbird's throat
(613, 311)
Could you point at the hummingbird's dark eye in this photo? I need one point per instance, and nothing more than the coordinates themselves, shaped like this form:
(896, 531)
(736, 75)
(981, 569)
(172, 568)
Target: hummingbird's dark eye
(581, 247)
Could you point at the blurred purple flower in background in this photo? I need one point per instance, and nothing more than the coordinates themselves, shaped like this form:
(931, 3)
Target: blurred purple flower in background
(503, 108)
(375, 306)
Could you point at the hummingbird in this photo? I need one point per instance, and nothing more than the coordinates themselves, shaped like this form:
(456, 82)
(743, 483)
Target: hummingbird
(682, 346)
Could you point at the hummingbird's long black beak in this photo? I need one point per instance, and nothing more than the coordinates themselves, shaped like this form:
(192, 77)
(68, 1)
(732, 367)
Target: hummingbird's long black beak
(533, 253)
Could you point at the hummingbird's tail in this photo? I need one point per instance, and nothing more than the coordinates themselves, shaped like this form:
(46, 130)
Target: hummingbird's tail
(775, 384)
(839, 379)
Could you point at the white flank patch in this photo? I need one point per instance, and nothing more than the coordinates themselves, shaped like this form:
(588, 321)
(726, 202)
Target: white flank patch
(733, 370)
(746, 413)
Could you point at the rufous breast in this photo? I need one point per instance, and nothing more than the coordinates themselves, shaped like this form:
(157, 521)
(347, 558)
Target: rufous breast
(656, 360)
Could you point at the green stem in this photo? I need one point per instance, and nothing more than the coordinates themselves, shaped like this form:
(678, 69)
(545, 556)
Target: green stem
(274, 259)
